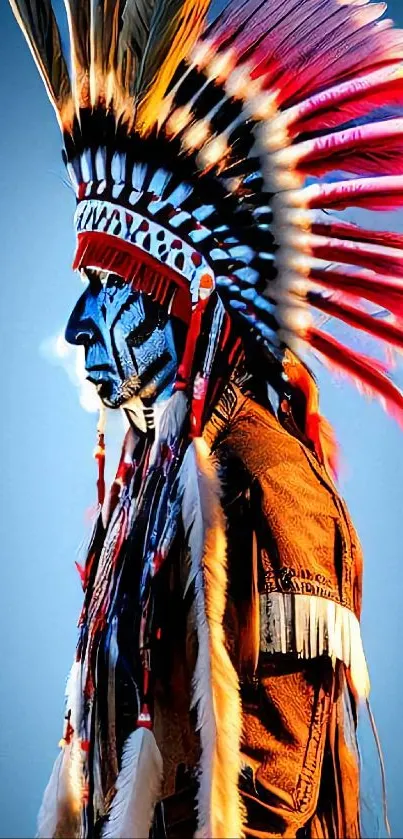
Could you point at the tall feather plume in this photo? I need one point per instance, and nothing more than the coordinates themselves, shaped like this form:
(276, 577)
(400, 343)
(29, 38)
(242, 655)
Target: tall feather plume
(79, 20)
(38, 23)
(97, 63)
(137, 17)
(216, 689)
(174, 28)
(106, 75)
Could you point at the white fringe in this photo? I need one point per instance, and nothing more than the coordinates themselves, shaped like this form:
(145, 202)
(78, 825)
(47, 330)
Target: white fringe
(215, 682)
(137, 788)
(311, 626)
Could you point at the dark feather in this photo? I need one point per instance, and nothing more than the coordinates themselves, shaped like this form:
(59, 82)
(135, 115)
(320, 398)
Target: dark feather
(38, 23)
(136, 23)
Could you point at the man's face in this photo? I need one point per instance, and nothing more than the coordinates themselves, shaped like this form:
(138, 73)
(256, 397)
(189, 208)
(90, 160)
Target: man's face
(128, 341)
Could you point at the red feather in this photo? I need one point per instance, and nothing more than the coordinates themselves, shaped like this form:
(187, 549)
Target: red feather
(361, 150)
(382, 290)
(364, 50)
(345, 230)
(374, 257)
(383, 193)
(365, 370)
(348, 101)
(382, 329)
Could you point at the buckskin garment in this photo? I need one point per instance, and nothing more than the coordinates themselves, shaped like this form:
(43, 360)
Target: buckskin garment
(294, 567)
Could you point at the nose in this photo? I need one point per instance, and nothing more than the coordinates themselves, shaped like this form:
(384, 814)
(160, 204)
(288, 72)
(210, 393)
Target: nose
(81, 329)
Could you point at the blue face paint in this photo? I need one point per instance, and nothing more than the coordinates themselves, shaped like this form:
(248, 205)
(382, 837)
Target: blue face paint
(128, 341)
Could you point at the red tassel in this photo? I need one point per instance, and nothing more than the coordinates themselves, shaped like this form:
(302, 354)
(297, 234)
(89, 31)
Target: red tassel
(82, 573)
(99, 455)
(364, 369)
(358, 319)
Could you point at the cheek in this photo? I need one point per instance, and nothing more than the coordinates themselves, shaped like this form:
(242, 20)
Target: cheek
(126, 355)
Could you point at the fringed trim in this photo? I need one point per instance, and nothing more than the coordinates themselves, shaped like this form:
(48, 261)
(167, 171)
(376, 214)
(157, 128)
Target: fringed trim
(312, 626)
(215, 682)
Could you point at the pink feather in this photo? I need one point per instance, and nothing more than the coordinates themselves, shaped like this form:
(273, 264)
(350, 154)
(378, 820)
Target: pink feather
(363, 149)
(391, 333)
(363, 369)
(364, 50)
(363, 254)
(347, 100)
(383, 291)
(383, 193)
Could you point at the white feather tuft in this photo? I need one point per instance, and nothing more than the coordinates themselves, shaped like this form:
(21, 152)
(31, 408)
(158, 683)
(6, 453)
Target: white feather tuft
(60, 812)
(215, 682)
(137, 788)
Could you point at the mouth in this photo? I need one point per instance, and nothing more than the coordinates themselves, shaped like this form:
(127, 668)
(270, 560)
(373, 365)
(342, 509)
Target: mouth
(138, 385)
(145, 384)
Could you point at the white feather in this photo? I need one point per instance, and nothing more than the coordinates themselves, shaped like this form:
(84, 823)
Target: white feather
(215, 682)
(60, 812)
(137, 788)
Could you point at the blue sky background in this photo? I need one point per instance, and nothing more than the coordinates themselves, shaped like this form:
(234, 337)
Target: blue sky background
(48, 476)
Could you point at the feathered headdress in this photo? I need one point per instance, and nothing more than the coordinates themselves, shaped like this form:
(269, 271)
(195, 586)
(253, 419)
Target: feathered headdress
(217, 156)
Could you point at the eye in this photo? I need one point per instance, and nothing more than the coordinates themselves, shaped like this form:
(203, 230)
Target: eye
(113, 281)
(140, 334)
(145, 329)
(93, 278)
